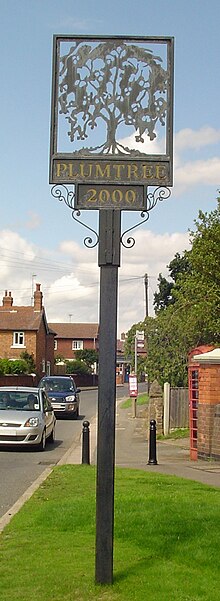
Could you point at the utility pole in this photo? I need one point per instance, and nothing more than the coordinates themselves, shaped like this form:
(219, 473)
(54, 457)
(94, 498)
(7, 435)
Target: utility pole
(146, 294)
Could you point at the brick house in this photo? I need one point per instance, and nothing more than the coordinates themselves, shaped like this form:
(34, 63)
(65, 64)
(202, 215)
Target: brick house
(72, 337)
(24, 328)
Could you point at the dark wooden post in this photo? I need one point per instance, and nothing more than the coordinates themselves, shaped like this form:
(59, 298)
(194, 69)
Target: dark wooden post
(109, 260)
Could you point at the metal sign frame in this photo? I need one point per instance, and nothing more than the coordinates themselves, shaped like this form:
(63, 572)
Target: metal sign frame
(140, 97)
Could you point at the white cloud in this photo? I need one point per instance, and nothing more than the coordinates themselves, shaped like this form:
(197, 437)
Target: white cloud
(33, 221)
(70, 24)
(189, 138)
(203, 172)
(150, 255)
(156, 146)
(70, 279)
(192, 170)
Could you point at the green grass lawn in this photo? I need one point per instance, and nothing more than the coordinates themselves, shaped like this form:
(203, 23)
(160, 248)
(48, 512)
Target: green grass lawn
(142, 399)
(177, 433)
(166, 542)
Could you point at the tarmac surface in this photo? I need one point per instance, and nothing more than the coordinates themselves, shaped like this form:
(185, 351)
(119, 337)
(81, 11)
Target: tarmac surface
(132, 451)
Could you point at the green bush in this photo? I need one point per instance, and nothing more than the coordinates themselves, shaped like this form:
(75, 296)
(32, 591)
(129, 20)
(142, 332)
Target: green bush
(18, 366)
(4, 367)
(77, 367)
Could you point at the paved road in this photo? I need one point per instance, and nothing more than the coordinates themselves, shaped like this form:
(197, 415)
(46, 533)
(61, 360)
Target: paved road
(20, 468)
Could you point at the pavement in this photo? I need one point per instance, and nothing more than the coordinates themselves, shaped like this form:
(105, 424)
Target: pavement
(132, 451)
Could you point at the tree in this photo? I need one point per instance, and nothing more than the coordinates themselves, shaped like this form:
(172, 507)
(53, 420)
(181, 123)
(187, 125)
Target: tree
(178, 267)
(199, 292)
(194, 316)
(88, 356)
(77, 367)
(112, 82)
(29, 359)
(163, 298)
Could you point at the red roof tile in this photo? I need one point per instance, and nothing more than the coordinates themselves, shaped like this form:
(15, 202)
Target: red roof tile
(20, 318)
(79, 331)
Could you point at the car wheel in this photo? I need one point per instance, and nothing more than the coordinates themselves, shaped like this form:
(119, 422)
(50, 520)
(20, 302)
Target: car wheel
(51, 438)
(42, 444)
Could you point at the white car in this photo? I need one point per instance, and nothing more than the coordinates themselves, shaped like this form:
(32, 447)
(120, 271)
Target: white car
(26, 417)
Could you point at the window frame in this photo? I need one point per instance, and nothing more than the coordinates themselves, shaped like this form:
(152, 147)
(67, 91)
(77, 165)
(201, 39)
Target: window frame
(17, 334)
(77, 344)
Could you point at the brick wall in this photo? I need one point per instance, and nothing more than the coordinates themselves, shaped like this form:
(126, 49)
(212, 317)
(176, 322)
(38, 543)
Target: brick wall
(209, 412)
(10, 352)
(18, 380)
(64, 347)
(215, 449)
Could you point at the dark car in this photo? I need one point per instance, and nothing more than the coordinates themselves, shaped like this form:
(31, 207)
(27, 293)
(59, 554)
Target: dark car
(63, 394)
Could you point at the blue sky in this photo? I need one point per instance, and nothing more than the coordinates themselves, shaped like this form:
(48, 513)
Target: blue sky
(37, 234)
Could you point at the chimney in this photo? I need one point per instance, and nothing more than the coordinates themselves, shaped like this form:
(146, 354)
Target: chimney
(38, 297)
(7, 300)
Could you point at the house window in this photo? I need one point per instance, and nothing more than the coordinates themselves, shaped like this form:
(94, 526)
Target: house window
(77, 345)
(55, 345)
(18, 339)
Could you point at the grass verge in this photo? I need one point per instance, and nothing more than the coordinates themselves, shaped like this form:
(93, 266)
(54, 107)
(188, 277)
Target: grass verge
(166, 543)
(142, 399)
(174, 434)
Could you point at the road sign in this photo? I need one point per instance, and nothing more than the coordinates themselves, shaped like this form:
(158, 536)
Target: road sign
(140, 335)
(133, 385)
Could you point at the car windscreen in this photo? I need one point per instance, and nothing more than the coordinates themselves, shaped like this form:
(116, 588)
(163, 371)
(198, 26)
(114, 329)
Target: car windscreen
(19, 401)
(57, 385)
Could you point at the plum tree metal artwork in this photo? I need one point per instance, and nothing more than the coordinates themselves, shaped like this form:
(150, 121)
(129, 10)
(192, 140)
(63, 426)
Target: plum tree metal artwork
(110, 85)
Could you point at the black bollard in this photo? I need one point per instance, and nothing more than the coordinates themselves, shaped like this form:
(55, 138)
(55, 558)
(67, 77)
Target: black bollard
(152, 444)
(85, 443)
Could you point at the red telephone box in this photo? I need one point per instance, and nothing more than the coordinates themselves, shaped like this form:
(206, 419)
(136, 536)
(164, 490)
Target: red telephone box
(193, 377)
(193, 409)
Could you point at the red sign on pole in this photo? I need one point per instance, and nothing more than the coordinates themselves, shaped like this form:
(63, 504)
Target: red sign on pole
(133, 385)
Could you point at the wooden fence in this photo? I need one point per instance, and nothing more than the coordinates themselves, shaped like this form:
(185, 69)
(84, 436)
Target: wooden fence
(179, 408)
